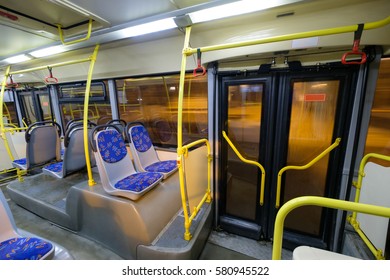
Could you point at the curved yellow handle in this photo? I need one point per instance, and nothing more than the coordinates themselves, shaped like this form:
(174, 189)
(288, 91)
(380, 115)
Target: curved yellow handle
(249, 162)
(317, 158)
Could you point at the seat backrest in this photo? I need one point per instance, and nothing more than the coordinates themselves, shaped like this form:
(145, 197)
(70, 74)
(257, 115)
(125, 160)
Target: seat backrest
(163, 130)
(120, 125)
(7, 224)
(77, 122)
(141, 146)
(74, 153)
(111, 155)
(43, 143)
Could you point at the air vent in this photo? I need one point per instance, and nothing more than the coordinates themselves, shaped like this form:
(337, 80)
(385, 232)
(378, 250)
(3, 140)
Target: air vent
(8, 16)
(286, 14)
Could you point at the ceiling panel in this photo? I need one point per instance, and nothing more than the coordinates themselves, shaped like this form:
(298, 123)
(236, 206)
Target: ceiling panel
(122, 11)
(42, 11)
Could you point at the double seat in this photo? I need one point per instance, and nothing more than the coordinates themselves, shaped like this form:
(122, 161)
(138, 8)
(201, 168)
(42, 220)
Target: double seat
(42, 145)
(118, 175)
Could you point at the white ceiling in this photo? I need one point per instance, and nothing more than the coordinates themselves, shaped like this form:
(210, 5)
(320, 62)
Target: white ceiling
(30, 24)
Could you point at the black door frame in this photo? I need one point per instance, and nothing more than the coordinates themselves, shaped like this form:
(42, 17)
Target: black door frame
(35, 95)
(276, 106)
(251, 229)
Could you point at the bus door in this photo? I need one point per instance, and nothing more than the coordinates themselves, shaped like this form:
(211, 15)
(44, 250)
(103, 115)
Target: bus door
(281, 119)
(35, 105)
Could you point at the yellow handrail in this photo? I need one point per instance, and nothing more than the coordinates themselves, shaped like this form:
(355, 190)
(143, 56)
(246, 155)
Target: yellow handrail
(378, 253)
(91, 182)
(59, 27)
(180, 151)
(206, 198)
(3, 85)
(50, 66)
(313, 161)
(322, 202)
(294, 36)
(3, 130)
(249, 162)
(8, 72)
(7, 114)
(187, 51)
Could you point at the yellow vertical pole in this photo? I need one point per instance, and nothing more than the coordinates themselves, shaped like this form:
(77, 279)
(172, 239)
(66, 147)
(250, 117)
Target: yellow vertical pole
(188, 106)
(2, 132)
(180, 151)
(6, 144)
(3, 84)
(91, 182)
(124, 96)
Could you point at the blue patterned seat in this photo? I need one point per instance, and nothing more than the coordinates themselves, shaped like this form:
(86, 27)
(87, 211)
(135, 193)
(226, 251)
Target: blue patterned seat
(13, 246)
(116, 170)
(24, 248)
(42, 145)
(145, 156)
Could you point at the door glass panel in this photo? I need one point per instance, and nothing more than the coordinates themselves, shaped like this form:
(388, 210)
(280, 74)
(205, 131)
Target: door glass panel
(44, 102)
(378, 137)
(244, 118)
(28, 105)
(311, 130)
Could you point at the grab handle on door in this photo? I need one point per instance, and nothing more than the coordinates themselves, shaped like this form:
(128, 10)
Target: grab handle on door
(317, 158)
(249, 162)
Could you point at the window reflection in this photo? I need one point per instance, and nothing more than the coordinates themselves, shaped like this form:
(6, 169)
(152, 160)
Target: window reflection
(378, 137)
(154, 102)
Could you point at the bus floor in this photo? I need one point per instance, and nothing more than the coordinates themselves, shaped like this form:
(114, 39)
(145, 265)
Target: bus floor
(220, 245)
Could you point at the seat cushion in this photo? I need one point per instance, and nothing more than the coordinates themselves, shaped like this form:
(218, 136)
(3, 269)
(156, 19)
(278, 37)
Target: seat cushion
(20, 163)
(24, 248)
(162, 166)
(137, 182)
(54, 167)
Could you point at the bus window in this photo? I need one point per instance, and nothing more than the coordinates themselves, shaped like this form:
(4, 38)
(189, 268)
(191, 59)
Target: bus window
(378, 136)
(71, 99)
(9, 109)
(153, 101)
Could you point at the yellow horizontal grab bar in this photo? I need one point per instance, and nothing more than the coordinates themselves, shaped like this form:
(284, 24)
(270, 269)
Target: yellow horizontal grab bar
(196, 143)
(306, 166)
(59, 27)
(363, 164)
(51, 66)
(252, 162)
(294, 36)
(322, 202)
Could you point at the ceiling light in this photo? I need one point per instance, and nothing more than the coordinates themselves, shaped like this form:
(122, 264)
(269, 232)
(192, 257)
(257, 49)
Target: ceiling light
(48, 51)
(236, 8)
(146, 28)
(17, 59)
